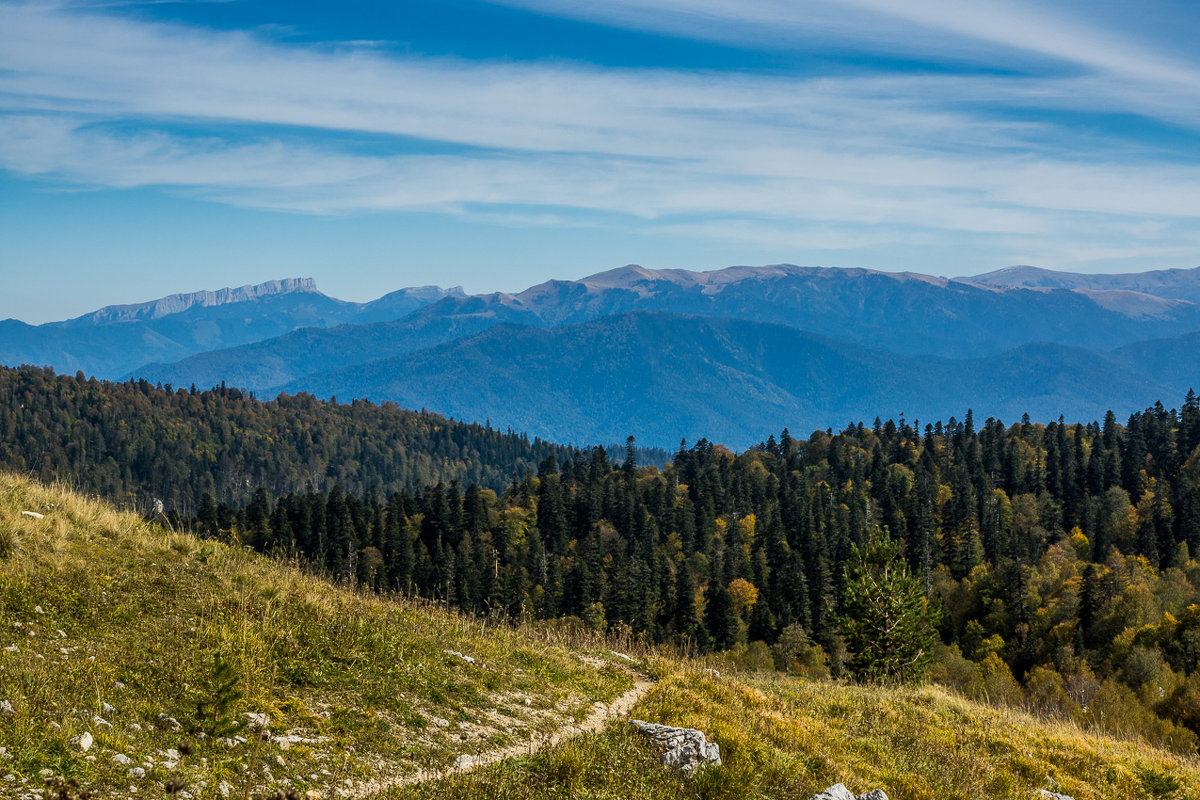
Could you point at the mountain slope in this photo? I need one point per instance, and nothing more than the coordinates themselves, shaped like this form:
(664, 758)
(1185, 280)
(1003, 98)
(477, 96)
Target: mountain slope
(136, 443)
(115, 622)
(273, 362)
(782, 736)
(112, 623)
(110, 342)
(663, 377)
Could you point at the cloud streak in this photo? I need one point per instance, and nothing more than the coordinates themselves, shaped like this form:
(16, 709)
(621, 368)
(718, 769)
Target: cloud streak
(91, 101)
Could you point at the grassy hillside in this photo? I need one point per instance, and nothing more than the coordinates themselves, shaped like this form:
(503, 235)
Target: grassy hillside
(107, 616)
(787, 738)
(109, 622)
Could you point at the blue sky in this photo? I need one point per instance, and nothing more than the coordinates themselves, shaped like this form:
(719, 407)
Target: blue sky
(148, 148)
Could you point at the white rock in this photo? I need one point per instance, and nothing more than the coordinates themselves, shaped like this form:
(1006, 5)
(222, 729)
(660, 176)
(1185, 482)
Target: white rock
(133, 726)
(257, 721)
(457, 654)
(121, 758)
(108, 709)
(12, 648)
(38, 610)
(83, 741)
(839, 792)
(6, 707)
(439, 722)
(137, 772)
(172, 754)
(33, 514)
(224, 788)
(685, 749)
(1048, 795)
(101, 722)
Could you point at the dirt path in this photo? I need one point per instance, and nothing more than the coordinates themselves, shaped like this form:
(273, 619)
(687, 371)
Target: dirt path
(595, 721)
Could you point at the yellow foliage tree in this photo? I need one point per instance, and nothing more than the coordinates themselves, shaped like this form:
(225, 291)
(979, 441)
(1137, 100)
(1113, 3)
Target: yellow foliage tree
(745, 595)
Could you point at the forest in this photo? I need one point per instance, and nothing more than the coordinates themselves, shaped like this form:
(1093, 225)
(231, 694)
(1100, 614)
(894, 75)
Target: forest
(1055, 562)
(1055, 559)
(136, 442)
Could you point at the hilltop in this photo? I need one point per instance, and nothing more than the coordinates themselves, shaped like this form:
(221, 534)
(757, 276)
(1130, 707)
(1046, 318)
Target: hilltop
(114, 622)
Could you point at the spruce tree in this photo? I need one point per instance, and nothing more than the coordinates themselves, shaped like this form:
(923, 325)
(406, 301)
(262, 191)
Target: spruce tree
(886, 619)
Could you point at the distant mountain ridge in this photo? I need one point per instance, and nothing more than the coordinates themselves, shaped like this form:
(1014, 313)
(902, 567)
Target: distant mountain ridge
(111, 341)
(178, 303)
(1175, 284)
(717, 353)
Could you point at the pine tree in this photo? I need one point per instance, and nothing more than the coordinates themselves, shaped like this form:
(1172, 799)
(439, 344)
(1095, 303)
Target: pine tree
(886, 619)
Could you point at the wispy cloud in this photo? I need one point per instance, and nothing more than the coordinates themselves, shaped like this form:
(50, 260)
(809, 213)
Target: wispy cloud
(93, 100)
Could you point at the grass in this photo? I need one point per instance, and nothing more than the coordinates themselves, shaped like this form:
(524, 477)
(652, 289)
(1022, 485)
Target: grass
(103, 615)
(782, 737)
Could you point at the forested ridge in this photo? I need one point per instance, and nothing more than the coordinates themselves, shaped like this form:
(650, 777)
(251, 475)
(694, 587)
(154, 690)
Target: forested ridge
(137, 442)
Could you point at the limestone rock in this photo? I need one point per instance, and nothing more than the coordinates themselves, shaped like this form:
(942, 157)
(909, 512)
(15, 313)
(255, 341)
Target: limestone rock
(257, 721)
(83, 741)
(1048, 795)
(836, 792)
(839, 792)
(685, 749)
(6, 707)
(137, 772)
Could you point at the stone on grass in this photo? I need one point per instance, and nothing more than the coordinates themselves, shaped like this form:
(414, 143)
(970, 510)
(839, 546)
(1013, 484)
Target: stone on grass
(6, 708)
(257, 721)
(83, 741)
(685, 749)
(137, 772)
(1048, 795)
(121, 758)
(839, 792)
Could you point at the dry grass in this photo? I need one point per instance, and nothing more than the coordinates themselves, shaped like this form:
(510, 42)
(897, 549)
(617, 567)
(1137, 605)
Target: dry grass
(101, 609)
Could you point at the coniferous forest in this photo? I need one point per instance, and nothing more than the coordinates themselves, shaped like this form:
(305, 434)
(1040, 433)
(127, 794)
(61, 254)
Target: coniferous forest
(1056, 561)
(136, 442)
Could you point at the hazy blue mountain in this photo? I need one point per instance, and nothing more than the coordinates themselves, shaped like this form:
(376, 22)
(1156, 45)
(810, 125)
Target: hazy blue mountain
(283, 359)
(906, 312)
(1171, 284)
(664, 376)
(112, 341)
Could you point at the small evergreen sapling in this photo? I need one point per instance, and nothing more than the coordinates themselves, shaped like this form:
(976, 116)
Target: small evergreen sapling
(214, 709)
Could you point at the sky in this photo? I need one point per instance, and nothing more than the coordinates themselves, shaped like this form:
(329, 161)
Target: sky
(149, 148)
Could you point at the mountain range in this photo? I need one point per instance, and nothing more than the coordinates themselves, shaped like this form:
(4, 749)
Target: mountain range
(732, 354)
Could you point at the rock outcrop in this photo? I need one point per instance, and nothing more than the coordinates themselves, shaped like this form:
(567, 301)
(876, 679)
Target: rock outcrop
(685, 749)
(839, 792)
